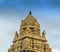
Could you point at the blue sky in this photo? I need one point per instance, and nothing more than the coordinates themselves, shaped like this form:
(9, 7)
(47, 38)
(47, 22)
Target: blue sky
(47, 12)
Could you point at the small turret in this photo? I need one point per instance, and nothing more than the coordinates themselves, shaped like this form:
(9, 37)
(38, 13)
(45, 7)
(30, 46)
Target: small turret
(43, 34)
(16, 36)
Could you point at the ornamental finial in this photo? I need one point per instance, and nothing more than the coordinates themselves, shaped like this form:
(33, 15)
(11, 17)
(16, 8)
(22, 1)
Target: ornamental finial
(30, 13)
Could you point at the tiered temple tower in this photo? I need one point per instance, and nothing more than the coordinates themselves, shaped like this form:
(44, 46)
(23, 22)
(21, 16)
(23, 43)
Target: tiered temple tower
(30, 39)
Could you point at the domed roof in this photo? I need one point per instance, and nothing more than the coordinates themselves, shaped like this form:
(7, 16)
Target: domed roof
(29, 20)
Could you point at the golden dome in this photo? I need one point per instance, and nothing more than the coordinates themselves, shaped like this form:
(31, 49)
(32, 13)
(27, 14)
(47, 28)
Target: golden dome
(30, 20)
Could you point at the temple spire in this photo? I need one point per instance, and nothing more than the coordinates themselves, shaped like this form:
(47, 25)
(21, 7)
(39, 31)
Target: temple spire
(30, 13)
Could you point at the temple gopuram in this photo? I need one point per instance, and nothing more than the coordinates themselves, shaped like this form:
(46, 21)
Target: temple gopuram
(29, 38)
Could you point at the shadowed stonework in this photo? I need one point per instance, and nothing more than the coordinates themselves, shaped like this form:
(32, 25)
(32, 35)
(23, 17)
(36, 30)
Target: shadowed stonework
(30, 39)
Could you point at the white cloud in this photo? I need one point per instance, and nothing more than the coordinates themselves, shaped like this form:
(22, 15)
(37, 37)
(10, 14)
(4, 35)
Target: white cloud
(7, 29)
(55, 50)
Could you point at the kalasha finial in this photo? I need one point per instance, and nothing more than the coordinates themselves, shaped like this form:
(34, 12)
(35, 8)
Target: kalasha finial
(30, 13)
